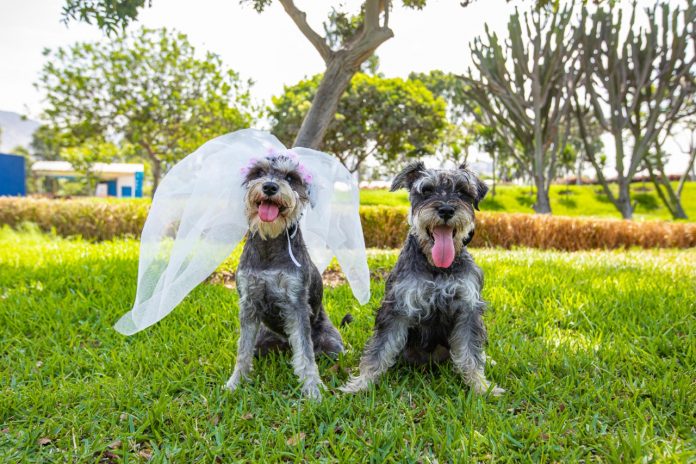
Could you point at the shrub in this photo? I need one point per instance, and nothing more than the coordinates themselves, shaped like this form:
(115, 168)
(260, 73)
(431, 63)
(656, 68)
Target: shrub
(90, 218)
(571, 234)
(383, 226)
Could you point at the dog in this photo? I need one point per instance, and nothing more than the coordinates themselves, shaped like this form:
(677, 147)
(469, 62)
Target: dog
(432, 307)
(280, 289)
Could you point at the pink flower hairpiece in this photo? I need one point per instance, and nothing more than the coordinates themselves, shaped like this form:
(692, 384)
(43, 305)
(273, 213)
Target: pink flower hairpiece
(301, 169)
(245, 170)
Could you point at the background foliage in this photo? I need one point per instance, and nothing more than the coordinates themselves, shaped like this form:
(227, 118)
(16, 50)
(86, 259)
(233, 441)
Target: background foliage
(391, 120)
(147, 92)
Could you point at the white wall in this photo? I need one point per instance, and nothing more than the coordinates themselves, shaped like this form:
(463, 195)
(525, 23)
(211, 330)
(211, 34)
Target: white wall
(125, 181)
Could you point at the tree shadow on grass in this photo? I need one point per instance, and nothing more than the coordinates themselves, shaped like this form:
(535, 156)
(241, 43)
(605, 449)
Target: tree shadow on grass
(526, 200)
(568, 202)
(492, 204)
(601, 197)
(567, 191)
(646, 201)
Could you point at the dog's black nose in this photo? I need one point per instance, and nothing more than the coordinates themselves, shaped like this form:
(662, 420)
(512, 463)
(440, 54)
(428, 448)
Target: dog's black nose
(270, 188)
(445, 212)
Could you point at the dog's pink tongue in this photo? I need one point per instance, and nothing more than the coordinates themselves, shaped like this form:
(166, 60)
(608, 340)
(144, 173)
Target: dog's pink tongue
(268, 211)
(443, 249)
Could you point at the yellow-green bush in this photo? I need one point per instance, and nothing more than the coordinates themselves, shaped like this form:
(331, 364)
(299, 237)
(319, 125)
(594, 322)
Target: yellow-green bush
(383, 226)
(89, 218)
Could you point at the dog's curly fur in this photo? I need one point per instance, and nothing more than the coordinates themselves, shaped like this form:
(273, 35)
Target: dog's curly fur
(280, 303)
(429, 313)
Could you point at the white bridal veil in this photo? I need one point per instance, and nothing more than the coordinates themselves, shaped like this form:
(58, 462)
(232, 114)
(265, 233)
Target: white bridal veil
(197, 218)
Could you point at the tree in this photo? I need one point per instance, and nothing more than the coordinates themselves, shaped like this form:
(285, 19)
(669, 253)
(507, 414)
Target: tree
(458, 136)
(109, 15)
(656, 161)
(350, 41)
(690, 151)
(489, 142)
(386, 118)
(637, 83)
(83, 157)
(46, 145)
(525, 85)
(147, 91)
(450, 88)
(47, 142)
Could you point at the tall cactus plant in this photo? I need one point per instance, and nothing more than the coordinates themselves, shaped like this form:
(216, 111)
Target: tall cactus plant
(638, 81)
(525, 83)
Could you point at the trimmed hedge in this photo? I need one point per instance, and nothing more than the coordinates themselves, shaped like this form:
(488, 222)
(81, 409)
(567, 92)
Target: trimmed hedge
(90, 218)
(383, 226)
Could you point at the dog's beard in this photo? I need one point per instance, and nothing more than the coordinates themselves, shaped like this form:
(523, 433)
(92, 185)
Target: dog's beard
(270, 216)
(441, 241)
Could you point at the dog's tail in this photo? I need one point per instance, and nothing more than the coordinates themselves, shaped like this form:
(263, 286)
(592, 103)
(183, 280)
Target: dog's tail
(347, 319)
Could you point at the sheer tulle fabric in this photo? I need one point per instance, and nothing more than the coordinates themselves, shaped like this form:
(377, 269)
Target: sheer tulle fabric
(197, 218)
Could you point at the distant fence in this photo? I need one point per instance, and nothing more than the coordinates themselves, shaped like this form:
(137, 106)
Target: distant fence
(383, 226)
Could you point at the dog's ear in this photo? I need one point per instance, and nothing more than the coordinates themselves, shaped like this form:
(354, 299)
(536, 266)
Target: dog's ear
(481, 187)
(411, 173)
(469, 237)
(481, 191)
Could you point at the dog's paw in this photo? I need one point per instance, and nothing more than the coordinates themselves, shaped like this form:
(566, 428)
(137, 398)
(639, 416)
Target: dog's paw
(481, 386)
(312, 390)
(355, 384)
(234, 381)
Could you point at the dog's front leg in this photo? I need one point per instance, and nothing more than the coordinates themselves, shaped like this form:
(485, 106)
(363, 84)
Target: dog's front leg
(466, 347)
(299, 333)
(380, 353)
(249, 327)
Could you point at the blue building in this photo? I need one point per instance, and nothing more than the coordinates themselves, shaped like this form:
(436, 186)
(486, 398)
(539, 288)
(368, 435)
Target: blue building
(12, 175)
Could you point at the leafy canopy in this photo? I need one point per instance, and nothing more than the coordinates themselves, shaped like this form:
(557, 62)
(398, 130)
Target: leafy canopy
(387, 118)
(112, 15)
(148, 91)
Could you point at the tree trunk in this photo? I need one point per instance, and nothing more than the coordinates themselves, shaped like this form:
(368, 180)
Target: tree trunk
(335, 81)
(661, 182)
(685, 176)
(543, 203)
(493, 186)
(156, 174)
(623, 202)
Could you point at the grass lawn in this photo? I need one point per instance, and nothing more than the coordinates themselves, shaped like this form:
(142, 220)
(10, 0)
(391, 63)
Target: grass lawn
(584, 200)
(596, 349)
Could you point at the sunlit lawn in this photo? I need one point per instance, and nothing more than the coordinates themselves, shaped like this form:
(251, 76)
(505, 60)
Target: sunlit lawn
(584, 200)
(596, 349)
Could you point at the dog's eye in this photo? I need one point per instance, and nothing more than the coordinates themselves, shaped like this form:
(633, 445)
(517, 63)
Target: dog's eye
(427, 190)
(290, 178)
(255, 173)
(464, 193)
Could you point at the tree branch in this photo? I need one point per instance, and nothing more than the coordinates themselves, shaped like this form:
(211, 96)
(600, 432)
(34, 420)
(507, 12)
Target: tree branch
(373, 8)
(300, 19)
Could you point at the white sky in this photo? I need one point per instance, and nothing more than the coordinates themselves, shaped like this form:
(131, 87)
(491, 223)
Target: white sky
(267, 47)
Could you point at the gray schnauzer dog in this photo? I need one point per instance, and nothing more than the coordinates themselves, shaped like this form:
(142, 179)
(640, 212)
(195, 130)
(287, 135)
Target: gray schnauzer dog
(280, 289)
(432, 307)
